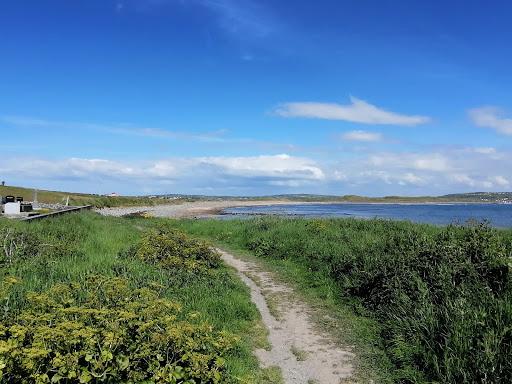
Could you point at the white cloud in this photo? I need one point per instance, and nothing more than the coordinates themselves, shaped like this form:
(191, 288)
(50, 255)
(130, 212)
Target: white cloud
(359, 111)
(217, 136)
(490, 117)
(435, 162)
(500, 181)
(280, 166)
(446, 170)
(461, 178)
(362, 136)
(265, 170)
(242, 17)
(485, 150)
(388, 177)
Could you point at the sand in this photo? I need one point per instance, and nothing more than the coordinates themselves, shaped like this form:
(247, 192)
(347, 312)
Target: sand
(190, 209)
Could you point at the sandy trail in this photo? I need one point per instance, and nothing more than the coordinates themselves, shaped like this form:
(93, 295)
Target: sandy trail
(305, 354)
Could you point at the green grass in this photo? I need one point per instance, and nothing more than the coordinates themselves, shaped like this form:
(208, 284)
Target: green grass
(299, 354)
(89, 244)
(54, 197)
(420, 303)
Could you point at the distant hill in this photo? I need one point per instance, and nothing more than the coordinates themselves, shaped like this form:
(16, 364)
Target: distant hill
(55, 197)
(484, 197)
(475, 197)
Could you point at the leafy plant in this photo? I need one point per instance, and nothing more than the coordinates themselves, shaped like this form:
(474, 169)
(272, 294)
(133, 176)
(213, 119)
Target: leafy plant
(105, 331)
(174, 249)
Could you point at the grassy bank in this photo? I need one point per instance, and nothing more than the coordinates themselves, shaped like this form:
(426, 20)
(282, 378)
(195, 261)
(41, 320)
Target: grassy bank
(438, 300)
(53, 197)
(120, 282)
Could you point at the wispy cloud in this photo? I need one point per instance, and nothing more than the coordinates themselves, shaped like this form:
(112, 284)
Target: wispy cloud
(431, 162)
(240, 17)
(358, 111)
(214, 136)
(219, 136)
(121, 129)
(491, 117)
(364, 136)
(25, 121)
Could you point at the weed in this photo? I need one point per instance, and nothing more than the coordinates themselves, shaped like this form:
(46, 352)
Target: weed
(299, 354)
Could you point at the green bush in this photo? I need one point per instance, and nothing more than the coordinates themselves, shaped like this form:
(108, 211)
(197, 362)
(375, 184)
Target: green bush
(173, 249)
(105, 331)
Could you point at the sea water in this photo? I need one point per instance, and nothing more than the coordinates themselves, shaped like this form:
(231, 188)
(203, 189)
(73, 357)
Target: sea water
(498, 215)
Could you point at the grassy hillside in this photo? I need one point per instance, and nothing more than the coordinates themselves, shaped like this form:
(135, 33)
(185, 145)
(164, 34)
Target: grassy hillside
(53, 197)
(440, 298)
(87, 298)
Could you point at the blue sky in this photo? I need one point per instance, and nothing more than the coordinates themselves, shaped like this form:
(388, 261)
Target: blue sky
(256, 97)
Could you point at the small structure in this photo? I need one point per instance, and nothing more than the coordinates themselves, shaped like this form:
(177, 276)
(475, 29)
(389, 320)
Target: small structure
(12, 209)
(14, 206)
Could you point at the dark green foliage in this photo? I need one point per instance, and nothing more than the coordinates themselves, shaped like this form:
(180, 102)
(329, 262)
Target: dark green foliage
(443, 296)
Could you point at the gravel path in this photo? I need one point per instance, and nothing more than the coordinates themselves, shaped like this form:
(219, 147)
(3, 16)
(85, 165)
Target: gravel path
(305, 354)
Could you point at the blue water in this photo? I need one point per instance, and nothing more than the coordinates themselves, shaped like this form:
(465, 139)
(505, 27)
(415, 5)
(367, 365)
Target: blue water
(499, 215)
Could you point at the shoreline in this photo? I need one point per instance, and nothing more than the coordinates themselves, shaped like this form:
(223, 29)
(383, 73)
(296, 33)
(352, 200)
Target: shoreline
(192, 209)
(206, 209)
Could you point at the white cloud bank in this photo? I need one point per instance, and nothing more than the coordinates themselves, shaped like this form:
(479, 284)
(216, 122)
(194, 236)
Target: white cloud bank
(204, 172)
(491, 117)
(358, 111)
(443, 171)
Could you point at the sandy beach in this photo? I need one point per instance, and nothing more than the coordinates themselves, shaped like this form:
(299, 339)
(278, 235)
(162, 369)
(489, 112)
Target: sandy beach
(191, 209)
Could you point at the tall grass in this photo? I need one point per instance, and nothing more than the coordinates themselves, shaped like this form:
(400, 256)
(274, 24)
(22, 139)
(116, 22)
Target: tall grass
(442, 296)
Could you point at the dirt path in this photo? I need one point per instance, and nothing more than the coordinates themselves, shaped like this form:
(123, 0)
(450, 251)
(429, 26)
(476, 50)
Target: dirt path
(305, 354)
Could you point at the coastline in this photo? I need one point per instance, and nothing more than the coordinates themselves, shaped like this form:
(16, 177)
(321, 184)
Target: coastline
(194, 209)
(215, 208)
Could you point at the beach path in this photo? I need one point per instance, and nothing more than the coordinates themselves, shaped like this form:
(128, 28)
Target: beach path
(304, 353)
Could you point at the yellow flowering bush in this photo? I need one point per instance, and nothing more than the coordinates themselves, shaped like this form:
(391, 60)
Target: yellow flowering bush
(103, 330)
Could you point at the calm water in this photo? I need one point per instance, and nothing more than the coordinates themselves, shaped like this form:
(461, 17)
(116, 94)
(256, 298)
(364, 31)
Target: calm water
(499, 215)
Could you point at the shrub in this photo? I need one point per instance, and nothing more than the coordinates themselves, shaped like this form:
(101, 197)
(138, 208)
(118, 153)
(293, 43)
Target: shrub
(173, 249)
(105, 331)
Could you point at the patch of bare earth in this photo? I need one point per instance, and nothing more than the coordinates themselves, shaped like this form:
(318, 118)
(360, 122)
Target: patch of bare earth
(304, 353)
